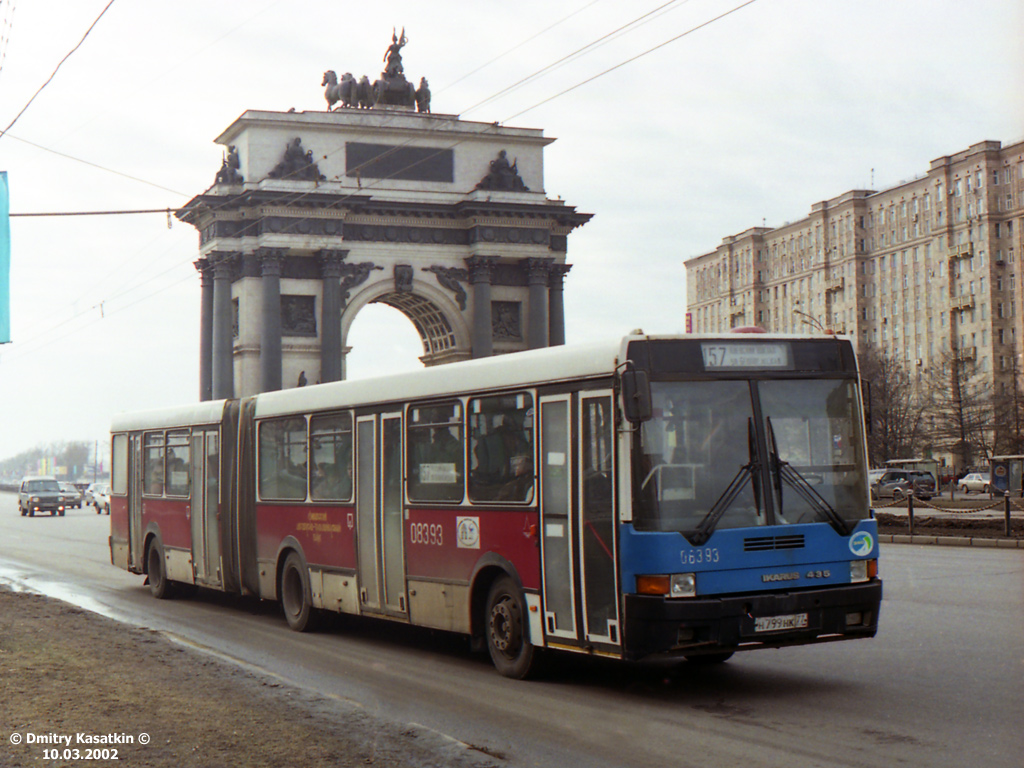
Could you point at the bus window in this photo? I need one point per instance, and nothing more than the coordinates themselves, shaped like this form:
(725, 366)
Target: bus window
(282, 449)
(816, 430)
(119, 465)
(177, 463)
(331, 441)
(436, 452)
(153, 464)
(501, 448)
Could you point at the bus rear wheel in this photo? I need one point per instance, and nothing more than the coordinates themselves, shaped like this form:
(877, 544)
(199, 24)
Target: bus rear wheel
(159, 585)
(296, 599)
(512, 653)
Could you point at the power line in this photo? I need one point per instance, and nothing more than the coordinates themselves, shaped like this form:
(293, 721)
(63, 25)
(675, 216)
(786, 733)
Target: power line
(54, 73)
(639, 21)
(630, 60)
(518, 46)
(295, 197)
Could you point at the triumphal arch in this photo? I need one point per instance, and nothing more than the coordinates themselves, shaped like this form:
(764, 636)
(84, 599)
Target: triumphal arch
(315, 214)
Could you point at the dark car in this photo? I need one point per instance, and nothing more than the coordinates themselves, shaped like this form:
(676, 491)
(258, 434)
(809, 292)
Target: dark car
(72, 496)
(40, 494)
(898, 484)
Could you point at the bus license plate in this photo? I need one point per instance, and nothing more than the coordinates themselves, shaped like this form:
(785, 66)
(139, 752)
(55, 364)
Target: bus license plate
(777, 623)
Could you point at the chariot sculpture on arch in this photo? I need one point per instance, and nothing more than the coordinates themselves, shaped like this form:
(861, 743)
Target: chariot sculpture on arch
(392, 89)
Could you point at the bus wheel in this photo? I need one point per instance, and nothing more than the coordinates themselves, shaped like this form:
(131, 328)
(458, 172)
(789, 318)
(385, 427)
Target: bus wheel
(295, 594)
(159, 585)
(513, 655)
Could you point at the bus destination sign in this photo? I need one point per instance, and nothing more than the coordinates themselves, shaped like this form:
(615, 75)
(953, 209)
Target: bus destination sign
(724, 355)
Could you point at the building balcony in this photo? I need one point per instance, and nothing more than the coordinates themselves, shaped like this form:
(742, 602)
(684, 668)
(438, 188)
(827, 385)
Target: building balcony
(962, 251)
(960, 303)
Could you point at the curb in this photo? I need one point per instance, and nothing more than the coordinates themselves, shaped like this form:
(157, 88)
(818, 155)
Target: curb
(951, 541)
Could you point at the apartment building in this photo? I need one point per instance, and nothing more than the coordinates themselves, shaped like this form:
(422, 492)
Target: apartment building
(923, 268)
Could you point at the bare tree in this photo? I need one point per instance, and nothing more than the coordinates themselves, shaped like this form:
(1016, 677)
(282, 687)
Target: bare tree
(895, 408)
(960, 408)
(1008, 409)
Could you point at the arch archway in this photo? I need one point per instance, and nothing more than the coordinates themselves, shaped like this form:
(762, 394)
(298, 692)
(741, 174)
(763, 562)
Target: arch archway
(382, 341)
(443, 330)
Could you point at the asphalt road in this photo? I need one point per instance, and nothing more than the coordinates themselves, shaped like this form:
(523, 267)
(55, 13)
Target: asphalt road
(941, 685)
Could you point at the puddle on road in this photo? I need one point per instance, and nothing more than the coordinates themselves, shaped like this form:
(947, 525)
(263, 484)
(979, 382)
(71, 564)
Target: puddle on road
(18, 579)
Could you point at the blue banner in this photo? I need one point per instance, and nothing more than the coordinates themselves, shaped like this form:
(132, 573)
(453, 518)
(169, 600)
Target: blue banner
(5, 261)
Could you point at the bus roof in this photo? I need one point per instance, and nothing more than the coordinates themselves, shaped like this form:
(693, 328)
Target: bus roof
(207, 412)
(519, 369)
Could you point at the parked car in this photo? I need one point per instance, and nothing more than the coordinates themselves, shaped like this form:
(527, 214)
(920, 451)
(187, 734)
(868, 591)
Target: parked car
(900, 483)
(975, 481)
(40, 494)
(874, 475)
(72, 496)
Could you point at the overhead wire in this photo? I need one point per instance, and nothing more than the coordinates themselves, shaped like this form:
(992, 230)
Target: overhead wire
(592, 45)
(59, 65)
(291, 198)
(516, 47)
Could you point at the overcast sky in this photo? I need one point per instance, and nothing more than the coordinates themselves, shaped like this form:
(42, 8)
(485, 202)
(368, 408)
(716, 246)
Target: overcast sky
(749, 119)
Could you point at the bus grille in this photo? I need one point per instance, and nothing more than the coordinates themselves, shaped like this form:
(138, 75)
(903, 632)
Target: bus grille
(764, 543)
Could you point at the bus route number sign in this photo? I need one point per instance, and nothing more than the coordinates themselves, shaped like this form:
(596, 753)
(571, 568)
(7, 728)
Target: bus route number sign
(726, 355)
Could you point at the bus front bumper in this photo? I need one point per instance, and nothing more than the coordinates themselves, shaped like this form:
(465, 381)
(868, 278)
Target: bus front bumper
(690, 627)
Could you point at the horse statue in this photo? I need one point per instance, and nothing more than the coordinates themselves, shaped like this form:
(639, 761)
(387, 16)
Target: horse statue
(333, 91)
(364, 93)
(423, 96)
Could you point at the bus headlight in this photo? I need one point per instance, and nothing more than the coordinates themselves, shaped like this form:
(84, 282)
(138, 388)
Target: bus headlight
(863, 570)
(684, 585)
(675, 585)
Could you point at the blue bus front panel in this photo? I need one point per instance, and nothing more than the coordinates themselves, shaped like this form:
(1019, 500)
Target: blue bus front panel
(754, 587)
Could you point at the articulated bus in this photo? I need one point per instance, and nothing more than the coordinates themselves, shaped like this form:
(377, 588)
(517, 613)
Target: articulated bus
(657, 496)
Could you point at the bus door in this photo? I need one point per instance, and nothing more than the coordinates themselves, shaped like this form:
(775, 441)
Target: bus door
(597, 541)
(556, 468)
(379, 513)
(135, 553)
(206, 506)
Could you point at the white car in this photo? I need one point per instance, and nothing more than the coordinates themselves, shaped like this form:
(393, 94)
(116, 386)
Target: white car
(975, 481)
(98, 494)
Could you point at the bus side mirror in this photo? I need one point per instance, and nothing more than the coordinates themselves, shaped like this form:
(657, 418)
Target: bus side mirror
(865, 396)
(636, 395)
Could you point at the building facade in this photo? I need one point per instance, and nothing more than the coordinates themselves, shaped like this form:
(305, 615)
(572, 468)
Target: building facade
(920, 270)
(314, 215)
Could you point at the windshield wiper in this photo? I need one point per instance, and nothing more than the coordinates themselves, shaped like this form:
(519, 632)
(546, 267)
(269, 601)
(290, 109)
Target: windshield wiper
(749, 470)
(784, 471)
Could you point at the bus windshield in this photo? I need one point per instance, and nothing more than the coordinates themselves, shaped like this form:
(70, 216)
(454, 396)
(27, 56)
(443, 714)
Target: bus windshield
(706, 461)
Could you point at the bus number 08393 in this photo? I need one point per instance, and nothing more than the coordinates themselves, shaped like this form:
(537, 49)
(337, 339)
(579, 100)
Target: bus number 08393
(431, 534)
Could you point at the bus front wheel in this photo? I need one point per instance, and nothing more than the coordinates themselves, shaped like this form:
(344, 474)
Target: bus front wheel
(512, 653)
(296, 599)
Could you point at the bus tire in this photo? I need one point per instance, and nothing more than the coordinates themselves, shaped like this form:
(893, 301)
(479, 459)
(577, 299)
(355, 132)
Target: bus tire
(159, 585)
(296, 598)
(513, 655)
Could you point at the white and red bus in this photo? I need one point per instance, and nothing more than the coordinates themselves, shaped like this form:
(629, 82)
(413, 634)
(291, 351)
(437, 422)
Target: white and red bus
(687, 496)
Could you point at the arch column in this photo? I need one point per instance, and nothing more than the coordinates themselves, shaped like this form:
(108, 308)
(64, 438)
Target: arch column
(271, 261)
(537, 331)
(480, 279)
(330, 314)
(205, 329)
(556, 304)
(223, 378)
